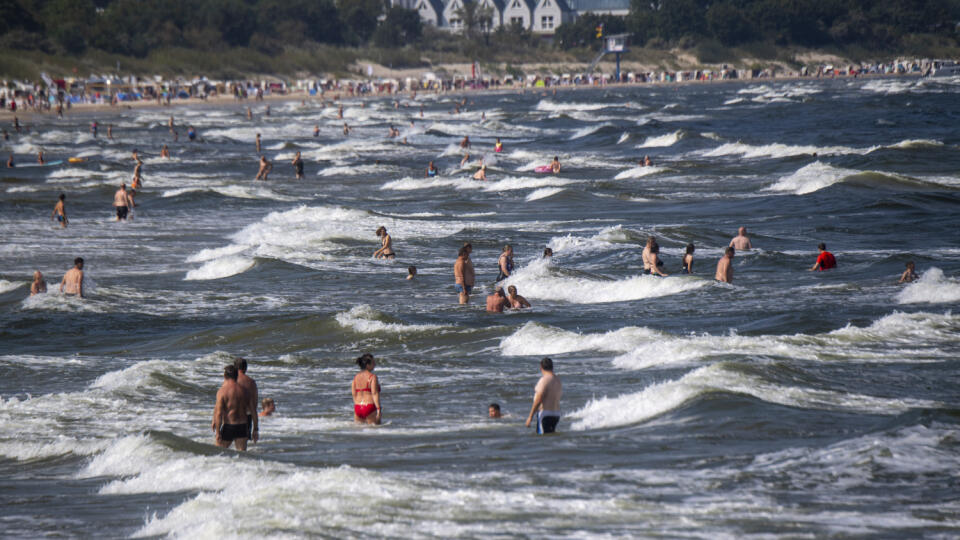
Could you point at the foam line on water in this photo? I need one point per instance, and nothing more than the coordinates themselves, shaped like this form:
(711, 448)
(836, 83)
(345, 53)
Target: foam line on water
(220, 268)
(366, 320)
(933, 287)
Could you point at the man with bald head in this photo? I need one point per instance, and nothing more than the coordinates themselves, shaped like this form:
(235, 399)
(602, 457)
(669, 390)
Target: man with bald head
(741, 242)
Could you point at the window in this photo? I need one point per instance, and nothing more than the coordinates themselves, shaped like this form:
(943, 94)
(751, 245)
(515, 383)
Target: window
(516, 20)
(546, 22)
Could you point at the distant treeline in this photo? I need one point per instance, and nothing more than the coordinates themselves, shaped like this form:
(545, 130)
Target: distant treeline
(135, 27)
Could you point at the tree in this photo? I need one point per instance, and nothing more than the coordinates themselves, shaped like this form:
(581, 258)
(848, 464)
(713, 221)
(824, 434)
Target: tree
(400, 26)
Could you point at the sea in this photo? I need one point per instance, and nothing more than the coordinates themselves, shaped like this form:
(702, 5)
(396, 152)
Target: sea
(787, 404)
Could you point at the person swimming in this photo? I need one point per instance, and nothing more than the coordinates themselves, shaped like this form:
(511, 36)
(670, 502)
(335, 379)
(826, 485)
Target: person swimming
(910, 274)
(432, 170)
(481, 173)
(498, 147)
(686, 264)
(516, 301)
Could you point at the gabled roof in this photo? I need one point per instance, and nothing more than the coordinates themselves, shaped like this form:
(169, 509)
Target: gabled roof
(562, 4)
(525, 4)
(437, 5)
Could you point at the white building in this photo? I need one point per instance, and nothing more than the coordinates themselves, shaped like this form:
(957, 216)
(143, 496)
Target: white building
(549, 14)
(540, 16)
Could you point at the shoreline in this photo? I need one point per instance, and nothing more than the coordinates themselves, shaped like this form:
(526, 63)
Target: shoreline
(107, 109)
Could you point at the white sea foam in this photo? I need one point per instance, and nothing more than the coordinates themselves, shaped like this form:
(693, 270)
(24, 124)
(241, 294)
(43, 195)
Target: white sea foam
(215, 253)
(660, 141)
(932, 288)
(609, 238)
(538, 281)
(812, 177)
(220, 268)
(552, 106)
(240, 192)
(411, 184)
(778, 150)
(588, 130)
(366, 320)
(543, 193)
(537, 339)
(7, 286)
(639, 172)
(660, 398)
(624, 137)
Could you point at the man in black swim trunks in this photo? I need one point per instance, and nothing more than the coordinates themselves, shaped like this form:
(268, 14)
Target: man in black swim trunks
(230, 413)
(298, 166)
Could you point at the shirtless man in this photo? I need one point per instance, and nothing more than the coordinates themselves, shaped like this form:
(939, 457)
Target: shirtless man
(740, 241)
(265, 167)
(546, 399)
(230, 412)
(651, 258)
(39, 285)
(463, 274)
(481, 173)
(258, 143)
(250, 389)
(72, 282)
(298, 166)
(60, 211)
(910, 274)
(497, 301)
(120, 202)
(724, 267)
(316, 130)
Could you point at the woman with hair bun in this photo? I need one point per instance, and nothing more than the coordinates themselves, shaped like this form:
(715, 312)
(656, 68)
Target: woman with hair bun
(366, 392)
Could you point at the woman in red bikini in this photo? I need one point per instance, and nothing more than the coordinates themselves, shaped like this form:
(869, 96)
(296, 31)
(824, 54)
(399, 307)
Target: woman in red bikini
(366, 392)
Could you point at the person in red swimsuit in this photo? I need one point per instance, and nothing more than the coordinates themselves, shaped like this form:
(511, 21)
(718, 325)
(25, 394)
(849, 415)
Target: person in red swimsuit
(366, 392)
(825, 261)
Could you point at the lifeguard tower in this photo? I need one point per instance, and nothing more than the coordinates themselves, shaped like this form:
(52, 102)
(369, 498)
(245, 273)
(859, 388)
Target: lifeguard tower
(616, 44)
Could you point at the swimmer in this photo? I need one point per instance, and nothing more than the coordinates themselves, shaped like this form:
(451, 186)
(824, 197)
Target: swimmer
(121, 202)
(316, 130)
(825, 261)
(267, 111)
(249, 113)
(497, 301)
(386, 245)
(546, 399)
(463, 274)
(191, 134)
(165, 152)
(555, 165)
(137, 181)
(340, 114)
(463, 162)
(481, 173)
(298, 166)
(741, 242)
(505, 263)
(516, 301)
(110, 131)
(93, 129)
(269, 407)
(265, 167)
(686, 263)
(60, 211)
(250, 389)
(432, 171)
(365, 389)
(493, 411)
(40, 157)
(10, 163)
(230, 412)
(498, 147)
(258, 143)
(346, 129)
(547, 253)
(910, 274)
(465, 143)
(411, 272)
(39, 285)
(72, 282)
(655, 262)
(725, 266)
(650, 261)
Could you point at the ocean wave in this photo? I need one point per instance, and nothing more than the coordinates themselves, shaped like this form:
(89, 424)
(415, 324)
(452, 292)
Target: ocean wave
(7, 286)
(639, 172)
(778, 150)
(537, 281)
(660, 398)
(588, 130)
(552, 106)
(543, 193)
(609, 238)
(239, 192)
(812, 177)
(220, 268)
(538, 339)
(366, 320)
(661, 141)
(932, 288)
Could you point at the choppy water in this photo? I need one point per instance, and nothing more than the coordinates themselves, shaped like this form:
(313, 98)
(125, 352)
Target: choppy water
(788, 404)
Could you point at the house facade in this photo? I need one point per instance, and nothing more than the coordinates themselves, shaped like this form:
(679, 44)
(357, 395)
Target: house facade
(539, 16)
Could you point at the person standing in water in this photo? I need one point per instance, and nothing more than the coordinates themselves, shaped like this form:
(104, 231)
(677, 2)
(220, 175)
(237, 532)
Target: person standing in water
(265, 167)
(120, 202)
(298, 166)
(825, 261)
(431, 171)
(253, 395)
(555, 165)
(481, 173)
(686, 263)
(498, 147)
(165, 152)
(386, 245)
(725, 267)
(365, 389)
(72, 282)
(39, 285)
(497, 301)
(137, 181)
(258, 143)
(230, 412)
(463, 275)
(505, 263)
(910, 274)
(516, 301)
(741, 242)
(60, 211)
(546, 399)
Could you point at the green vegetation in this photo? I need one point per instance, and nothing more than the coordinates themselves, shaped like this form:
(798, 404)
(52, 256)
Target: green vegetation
(234, 38)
